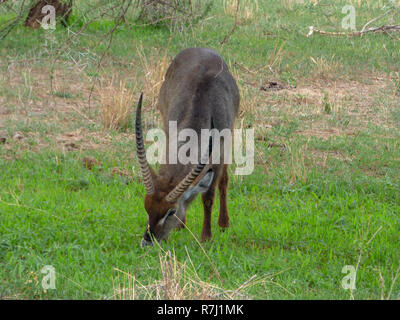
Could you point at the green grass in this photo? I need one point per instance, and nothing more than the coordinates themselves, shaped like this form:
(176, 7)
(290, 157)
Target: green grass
(311, 207)
(85, 224)
(274, 26)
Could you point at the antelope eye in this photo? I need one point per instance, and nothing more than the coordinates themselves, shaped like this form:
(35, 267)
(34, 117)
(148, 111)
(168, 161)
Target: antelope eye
(170, 212)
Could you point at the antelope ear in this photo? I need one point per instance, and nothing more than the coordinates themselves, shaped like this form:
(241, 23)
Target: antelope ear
(201, 186)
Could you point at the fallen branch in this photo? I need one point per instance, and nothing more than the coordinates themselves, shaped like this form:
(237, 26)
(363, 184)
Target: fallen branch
(380, 17)
(385, 28)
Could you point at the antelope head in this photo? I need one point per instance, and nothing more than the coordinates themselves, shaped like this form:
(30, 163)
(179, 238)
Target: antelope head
(166, 203)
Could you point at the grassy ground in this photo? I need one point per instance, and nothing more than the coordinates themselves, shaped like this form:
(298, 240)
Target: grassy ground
(325, 192)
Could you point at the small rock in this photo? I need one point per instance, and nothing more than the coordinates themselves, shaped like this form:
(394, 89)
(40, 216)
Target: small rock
(278, 145)
(274, 86)
(71, 146)
(18, 136)
(3, 140)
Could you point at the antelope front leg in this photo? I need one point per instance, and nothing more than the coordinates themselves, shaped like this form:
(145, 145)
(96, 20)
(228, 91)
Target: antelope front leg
(208, 201)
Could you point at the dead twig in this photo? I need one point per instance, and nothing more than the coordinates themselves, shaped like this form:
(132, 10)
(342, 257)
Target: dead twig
(384, 28)
(379, 17)
(234, 26)
(6, 30)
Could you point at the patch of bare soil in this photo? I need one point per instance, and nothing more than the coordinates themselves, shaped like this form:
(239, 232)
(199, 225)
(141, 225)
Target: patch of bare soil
(275, 86)
(360, 103)
(81, 139)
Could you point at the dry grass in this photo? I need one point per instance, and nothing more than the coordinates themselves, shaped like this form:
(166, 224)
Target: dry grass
(298, 170)
(353, 102)
(116, 105)
(154, 66)
(326, 69)
(176, 14)
(179, 281)
(291, 4)
(245, 13)
(359, 103)
(249, 100)
(320, 157)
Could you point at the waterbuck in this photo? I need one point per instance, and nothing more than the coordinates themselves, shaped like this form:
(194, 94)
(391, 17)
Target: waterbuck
(198, 93)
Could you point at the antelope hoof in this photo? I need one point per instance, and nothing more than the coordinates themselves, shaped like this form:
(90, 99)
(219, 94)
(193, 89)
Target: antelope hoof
(206, 237)
(223, 224)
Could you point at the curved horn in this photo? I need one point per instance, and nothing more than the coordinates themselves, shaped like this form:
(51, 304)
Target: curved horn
(141, 152)
(187, 181)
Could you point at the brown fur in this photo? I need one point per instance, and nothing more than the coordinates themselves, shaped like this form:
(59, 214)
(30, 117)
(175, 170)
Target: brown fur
(198, 90)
